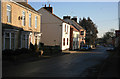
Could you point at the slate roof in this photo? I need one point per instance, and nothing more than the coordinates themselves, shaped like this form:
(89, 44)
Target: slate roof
(54, 15)
(73, 23)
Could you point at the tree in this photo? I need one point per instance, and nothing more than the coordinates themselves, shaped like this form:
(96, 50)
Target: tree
(91, 30)
(108, 35)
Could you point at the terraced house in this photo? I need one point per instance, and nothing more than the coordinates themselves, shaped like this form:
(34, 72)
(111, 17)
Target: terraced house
(20, 25)
(77, 33)
(55, 31)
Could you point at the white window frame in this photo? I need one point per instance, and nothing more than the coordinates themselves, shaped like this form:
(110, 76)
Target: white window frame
(9, 40)
(9, 10)
(36, 18)
(65, 28)
(30, 20)
(23, 18)
(25, 40)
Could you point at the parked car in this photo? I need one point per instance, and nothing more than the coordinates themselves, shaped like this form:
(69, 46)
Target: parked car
(85, 47)
(110, 48)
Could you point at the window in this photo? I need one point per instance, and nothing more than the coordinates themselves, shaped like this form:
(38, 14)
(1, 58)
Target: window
(65, 27)
(9, 41)
(35, 21)
(29, 20)
(25, 40)
(67, 41)
(23, 18)
(82, 32)
(77, 35)
(64, 42)
(9, 13)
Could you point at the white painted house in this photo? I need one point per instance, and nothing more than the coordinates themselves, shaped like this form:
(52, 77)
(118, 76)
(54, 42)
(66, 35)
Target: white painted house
(76, 35)
(55, 31)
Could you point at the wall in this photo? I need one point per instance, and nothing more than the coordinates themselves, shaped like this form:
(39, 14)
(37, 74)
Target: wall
(0, 43)
(65, 35)
(16, 12)
(76, 39)
(82, 36)
(51, 29)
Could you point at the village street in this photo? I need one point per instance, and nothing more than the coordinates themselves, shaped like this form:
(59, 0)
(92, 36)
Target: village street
(68, 65)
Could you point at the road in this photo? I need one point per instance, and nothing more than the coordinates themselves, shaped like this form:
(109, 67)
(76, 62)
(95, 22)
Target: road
(68, 65)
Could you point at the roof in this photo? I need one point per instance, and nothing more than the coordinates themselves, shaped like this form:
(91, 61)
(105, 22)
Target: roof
(54, 15)
(25, 4)
(73, 23)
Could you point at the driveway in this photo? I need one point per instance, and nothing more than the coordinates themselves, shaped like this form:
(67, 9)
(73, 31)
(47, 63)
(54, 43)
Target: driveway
(69, 65)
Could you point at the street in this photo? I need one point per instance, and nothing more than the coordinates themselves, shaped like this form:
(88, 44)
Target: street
(68, 65)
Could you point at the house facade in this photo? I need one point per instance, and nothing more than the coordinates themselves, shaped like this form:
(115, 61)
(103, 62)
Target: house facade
(117, 39)
(77, 33)
(74, 38)
(20, 25)
(55, 31)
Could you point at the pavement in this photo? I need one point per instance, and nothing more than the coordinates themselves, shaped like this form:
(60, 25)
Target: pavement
(110, 69)
(68, 65)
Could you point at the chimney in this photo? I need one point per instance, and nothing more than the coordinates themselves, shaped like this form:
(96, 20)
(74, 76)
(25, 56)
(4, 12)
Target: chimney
(26, 1)
(45, 5)
(50, 9)
(75, 18)
(66, 17)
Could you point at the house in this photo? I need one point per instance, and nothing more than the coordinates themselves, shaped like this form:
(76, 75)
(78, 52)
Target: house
(77, 32)
(117, 39)
(21, 25)
(55, 31)
(0, 40)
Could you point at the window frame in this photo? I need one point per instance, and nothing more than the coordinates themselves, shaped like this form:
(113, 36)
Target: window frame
(36, 21)
(23, 18)
(67, 41)
(82, 33)
(65, 28)
(9, 20)
(30, 20)
(10, 40)
(63, 41)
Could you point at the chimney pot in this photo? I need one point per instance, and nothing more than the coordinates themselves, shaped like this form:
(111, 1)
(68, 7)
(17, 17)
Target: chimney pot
(45, 5)
(74, 18)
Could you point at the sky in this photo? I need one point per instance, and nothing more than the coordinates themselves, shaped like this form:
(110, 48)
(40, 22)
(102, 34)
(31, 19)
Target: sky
(103, 14)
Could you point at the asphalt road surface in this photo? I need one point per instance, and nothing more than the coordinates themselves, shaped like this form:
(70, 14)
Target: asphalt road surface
(68, 65)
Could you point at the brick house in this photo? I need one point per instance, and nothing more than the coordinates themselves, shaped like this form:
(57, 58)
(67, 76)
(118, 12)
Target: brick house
(76, 31)
(20, 25)
(55, 31)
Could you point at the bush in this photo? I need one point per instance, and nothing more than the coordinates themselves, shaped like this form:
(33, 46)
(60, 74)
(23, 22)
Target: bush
(8, 52)
(32, 47)
(23, 51)
(41, 46)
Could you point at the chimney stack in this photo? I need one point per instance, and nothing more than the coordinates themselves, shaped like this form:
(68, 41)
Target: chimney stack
(45, 5)
(49, 8)
(27, 1)
(75, 18)
(66, 17)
